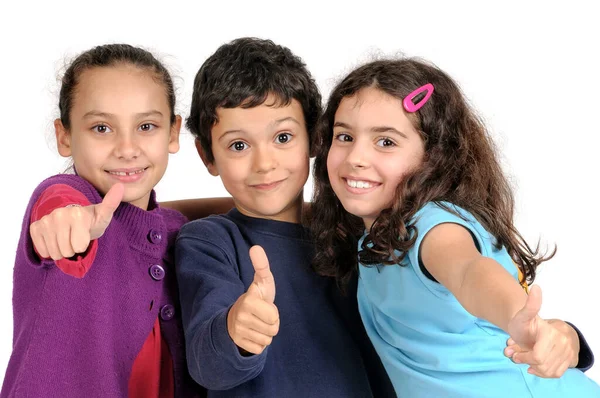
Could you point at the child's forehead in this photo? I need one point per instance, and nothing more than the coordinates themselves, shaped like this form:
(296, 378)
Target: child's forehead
(119, 88)
(120, 71)
(269, 114)
(374, 111)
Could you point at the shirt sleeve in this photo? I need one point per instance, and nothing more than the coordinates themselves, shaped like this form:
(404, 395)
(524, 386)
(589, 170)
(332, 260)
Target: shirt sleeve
(209, 284)
(586, 356)
(57, 196)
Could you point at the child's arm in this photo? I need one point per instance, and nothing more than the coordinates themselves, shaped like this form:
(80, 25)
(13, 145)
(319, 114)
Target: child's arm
(213, 300)
(195, 209)
(65, 225)
(486, 290)
(480, 284)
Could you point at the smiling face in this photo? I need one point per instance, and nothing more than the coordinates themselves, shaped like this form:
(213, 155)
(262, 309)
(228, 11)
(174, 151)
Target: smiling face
(374, 146)
(262, 156)
(120, 130)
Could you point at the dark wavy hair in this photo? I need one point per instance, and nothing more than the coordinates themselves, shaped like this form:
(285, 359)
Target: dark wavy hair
(460, 166)
(242, 73)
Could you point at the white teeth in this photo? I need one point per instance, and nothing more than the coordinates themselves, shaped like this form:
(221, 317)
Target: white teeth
(123, 173)
(358, 184)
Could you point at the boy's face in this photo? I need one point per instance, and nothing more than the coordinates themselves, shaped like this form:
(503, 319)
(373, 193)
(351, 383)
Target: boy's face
(262, 156)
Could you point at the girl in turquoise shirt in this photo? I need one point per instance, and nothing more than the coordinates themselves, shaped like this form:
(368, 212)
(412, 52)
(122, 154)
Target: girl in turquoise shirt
(407, 181)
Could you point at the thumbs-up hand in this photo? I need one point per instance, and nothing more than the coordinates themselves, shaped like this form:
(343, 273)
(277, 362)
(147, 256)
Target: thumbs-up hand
(525, 324)
(253, 320)
(69, 230)
(543, 345)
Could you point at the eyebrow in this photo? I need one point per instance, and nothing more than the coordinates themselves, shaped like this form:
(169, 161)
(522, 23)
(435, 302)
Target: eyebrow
(105, 115)
(376, 129)
(388, 129)
(285, 119)
(274, 123)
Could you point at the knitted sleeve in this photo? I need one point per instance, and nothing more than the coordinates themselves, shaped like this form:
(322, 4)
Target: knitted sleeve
(57, 196)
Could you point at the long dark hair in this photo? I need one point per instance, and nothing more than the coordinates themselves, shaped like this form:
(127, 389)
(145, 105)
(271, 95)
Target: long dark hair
(460, 166)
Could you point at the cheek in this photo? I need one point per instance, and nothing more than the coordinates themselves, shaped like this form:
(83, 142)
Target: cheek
(81, 154)
(299, 161)
(157, 150)
(302, 169)
(233, 171)
(414, 162)
(333, 161)
(419, 154)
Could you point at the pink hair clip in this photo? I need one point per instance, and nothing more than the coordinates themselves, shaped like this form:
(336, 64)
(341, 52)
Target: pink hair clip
(408, 101)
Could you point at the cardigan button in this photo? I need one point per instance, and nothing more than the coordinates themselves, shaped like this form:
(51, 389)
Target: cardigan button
(154, 236)
(167, 312)
(157, 272)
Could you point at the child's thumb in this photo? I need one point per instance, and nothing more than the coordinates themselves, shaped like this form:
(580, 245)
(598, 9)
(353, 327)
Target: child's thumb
(263, 278)
(103, 211)
(533, 305)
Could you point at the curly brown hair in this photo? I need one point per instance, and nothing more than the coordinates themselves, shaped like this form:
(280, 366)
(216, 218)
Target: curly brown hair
(460, 166)
(242, 73)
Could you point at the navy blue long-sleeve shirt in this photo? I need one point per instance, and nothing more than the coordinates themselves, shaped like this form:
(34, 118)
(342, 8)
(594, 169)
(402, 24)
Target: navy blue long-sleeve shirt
(314, 354)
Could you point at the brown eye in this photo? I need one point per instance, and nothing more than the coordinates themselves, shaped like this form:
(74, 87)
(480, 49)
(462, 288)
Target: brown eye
(147, 127)
(101, 129)
(284, 138)
(343, 137)
(238, 146)
(385, 142)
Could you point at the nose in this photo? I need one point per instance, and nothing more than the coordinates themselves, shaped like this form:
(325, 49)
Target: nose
(357, 156)
(265, 159)
(127, 146)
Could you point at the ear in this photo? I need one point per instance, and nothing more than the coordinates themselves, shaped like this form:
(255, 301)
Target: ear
(63, 139)
(210, 166)
(174, 135)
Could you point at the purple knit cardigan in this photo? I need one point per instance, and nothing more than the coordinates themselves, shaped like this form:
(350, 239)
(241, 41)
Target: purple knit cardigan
(79, 337)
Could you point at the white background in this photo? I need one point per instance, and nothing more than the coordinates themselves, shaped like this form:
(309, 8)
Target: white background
(531, 70)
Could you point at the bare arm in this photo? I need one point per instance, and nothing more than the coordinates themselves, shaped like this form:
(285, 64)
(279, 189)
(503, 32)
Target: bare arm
(194, 209)
(488, 291)
(480, 284)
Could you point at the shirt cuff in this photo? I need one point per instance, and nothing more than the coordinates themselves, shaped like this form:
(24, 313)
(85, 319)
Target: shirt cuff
(586, 356)
(57, 196)
(225, 347)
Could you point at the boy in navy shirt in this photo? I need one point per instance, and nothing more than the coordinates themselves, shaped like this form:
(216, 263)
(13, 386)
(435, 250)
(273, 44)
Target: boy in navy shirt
(256, 326)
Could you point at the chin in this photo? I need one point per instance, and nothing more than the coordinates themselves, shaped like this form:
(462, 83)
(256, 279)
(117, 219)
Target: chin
(357, 211)
(270, 212)
(132, 197)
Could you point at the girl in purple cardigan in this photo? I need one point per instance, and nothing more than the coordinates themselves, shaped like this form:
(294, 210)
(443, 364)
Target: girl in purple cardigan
(95, 302)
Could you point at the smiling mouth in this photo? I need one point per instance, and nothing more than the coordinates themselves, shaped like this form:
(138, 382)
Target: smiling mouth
(360, 184)
(130, 173)
(268, 186)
